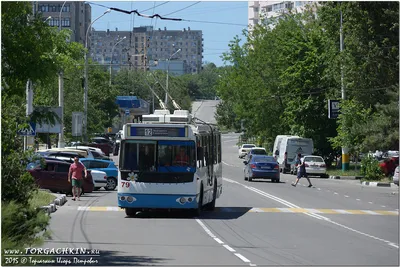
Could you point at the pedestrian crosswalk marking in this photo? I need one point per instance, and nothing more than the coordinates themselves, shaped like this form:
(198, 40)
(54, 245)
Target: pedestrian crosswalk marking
(271, 210)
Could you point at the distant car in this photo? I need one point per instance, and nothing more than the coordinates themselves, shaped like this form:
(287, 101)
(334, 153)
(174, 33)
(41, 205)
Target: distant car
(105, 144)
(315, 166)
(256, 151)
(66, 156)
(54, 176)
(396, 176)
(106, 166)
(244, 149)
(261, 167)
(83, 152)
(99, 179)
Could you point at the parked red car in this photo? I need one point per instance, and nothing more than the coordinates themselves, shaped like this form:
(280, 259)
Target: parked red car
(389, 165)
(54, 176)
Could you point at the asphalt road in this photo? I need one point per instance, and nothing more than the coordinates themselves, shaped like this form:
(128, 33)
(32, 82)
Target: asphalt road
(256, 223)
(205, 110)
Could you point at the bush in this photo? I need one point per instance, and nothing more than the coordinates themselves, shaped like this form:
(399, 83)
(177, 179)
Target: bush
(21, 224)
(17, 184)
(370, 169)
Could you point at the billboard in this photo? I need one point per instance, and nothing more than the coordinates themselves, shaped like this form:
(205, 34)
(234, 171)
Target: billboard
(47, 128)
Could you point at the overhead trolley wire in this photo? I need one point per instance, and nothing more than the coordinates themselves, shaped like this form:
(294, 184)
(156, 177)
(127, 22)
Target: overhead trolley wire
(154, 7)
(182, 8)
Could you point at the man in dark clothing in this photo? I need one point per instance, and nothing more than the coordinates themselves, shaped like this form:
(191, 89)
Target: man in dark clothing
(301, 170)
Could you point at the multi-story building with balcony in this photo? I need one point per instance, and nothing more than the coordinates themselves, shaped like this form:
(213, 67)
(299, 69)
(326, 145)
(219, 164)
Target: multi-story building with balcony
(144, 46)
(75, 16)
(274, 9)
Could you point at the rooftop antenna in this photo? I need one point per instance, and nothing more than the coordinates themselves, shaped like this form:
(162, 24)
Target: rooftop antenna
(173, 101)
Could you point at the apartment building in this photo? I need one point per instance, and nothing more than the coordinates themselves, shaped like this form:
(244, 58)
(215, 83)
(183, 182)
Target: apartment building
(75, 16)
(144, 46)
(274, 9)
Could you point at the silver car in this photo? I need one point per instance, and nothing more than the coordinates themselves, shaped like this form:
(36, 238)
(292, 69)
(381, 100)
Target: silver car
(396, 176)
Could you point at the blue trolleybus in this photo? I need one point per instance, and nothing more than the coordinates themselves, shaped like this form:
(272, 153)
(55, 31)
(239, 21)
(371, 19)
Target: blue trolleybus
(169, 161)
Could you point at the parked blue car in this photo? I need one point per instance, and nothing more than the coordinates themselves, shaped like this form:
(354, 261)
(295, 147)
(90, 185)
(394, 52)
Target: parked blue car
(262, 167)
(106, 166)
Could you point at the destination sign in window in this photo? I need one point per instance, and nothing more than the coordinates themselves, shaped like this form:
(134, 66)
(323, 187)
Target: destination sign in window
(157, 131)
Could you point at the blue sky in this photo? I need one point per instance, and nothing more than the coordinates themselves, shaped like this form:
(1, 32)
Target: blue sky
(216, 36)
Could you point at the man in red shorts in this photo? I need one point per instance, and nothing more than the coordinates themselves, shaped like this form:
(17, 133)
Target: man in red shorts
(75, 173)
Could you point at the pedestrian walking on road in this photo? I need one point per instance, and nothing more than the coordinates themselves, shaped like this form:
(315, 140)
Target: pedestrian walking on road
(75, 173)
(301, 170)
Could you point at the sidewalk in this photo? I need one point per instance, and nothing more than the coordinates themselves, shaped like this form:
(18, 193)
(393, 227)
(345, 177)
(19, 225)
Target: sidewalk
(380, 184)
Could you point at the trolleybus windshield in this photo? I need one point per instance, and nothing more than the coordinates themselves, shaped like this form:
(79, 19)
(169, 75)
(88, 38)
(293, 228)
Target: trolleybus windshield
(158, 156)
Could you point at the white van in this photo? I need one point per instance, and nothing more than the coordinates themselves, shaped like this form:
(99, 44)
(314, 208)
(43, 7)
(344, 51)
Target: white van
(292, 144)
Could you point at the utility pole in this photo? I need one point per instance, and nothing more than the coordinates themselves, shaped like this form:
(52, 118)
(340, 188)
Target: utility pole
(345, 150)
(61, 143)
(29, 95)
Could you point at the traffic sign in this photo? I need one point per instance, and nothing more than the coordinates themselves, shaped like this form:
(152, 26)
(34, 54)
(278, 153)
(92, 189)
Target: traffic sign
(77, 122)
(333, 109)
(28, 131)
(127, 112)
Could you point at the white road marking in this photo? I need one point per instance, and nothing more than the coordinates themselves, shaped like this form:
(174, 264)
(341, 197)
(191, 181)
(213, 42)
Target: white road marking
(228, 164)
(226, 141)
(319, 188)
(370, 202)
(240, 256)
(370, 212)
(335, 193)
(291, 205)
(343, 211)
(229, 248)
(257, 210)
(218, 240)
(346, 196)
(358, 199)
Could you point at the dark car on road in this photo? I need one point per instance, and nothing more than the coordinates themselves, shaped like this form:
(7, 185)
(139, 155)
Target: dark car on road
(54, 176)
(105, 144)
(261, 167)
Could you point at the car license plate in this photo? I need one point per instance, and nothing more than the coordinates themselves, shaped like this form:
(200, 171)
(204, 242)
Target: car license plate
(266, 167)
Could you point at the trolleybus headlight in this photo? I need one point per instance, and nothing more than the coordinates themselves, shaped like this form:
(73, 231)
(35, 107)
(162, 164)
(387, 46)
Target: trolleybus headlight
(182, 200)
(122, 198)
(190, 199)
(129, 199)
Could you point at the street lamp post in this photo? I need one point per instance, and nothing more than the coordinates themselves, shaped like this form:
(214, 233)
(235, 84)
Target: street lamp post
(59, 20)
(112, 54)
(166, 93)
(85, 93)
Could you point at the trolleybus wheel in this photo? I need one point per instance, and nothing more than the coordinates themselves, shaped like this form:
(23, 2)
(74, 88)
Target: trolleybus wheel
(197, 212)
(131, 211)
(211, 206)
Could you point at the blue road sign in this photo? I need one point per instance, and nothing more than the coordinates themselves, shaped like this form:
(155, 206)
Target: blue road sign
(28, 131)
(127, 112)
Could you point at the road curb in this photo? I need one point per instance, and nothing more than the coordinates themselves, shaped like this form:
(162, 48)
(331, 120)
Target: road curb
(60, 200)
(379, 184)
(345, 177)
